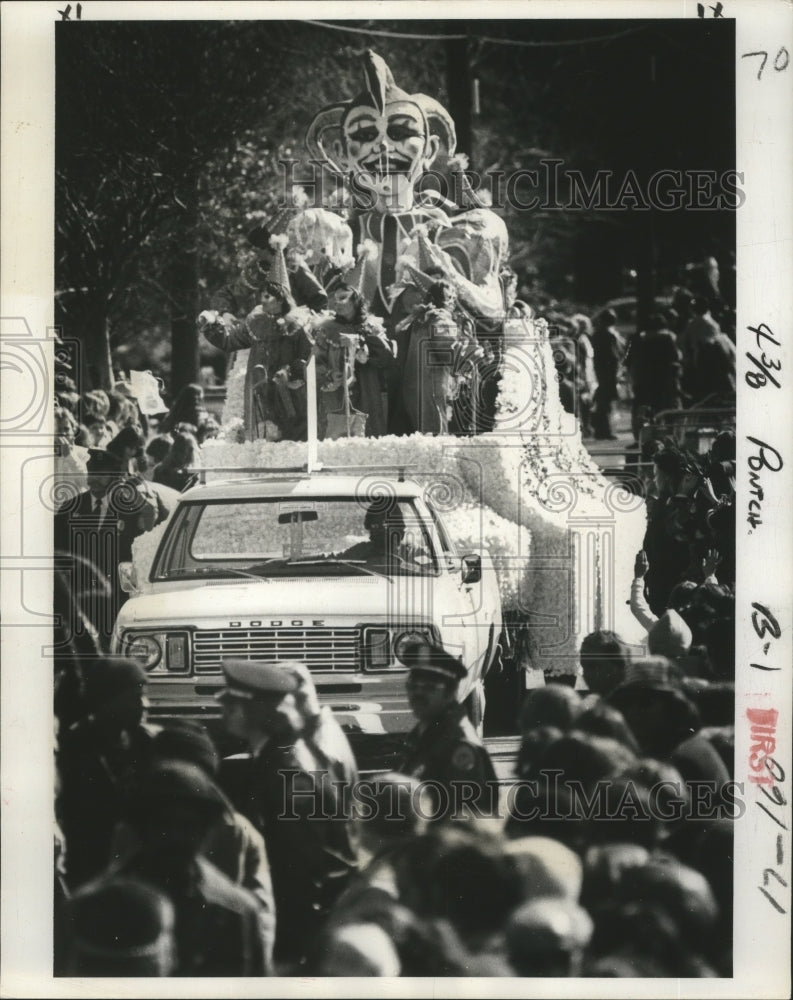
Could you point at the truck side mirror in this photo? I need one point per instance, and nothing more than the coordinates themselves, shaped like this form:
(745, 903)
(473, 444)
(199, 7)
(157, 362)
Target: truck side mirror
(471, 569)
(128, 578)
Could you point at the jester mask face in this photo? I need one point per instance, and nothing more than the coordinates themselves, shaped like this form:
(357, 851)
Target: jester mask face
(384, 139)
(386, 151)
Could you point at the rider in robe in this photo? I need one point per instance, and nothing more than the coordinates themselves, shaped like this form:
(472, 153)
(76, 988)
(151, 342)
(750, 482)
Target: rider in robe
(374, 353)
(274, 330)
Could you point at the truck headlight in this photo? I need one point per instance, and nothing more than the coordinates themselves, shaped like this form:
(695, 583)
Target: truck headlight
(145, 649)
(405, 639)
(383, 647)
(158, 652)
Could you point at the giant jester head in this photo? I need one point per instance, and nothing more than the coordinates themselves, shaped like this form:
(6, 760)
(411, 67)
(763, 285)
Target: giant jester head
(384, 138)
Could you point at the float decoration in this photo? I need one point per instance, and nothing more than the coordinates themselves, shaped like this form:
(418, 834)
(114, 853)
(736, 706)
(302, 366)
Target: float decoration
(516, 481)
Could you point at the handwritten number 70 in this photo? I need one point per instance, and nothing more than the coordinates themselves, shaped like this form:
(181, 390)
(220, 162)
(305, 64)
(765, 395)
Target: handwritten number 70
(781, 60)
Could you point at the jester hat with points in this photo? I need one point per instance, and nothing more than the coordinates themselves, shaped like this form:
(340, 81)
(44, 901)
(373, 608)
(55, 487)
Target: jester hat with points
(325, 139)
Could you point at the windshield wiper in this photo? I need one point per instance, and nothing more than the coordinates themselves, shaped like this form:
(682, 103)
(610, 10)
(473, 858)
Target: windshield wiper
(217, 572)
(333, 561)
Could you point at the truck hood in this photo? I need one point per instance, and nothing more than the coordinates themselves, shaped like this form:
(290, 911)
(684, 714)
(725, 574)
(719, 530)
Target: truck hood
(310, 597)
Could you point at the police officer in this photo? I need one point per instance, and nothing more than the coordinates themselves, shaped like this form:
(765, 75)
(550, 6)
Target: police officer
(300, 796)
(444, 750)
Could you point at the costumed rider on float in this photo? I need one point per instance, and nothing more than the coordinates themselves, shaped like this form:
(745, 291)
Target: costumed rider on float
(292, 254)
(383, 142)
(276, 332)
(355, 358)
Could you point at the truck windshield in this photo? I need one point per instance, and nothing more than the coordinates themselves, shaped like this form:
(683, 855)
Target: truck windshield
(285, 537)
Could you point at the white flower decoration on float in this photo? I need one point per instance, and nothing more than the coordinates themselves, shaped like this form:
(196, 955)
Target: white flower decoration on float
(231, 420)
(561, 536)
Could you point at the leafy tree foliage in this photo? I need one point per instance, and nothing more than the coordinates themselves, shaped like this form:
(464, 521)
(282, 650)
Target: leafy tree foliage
(170, 138)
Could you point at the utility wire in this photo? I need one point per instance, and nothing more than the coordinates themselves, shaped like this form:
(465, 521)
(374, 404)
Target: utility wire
(386, 34)
(481, 38)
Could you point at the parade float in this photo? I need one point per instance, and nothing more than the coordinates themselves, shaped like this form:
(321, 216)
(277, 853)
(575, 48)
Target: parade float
(503, 460)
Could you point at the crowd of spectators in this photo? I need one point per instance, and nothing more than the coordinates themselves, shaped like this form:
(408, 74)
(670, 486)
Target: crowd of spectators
(155, 447)
(691, 517)
(609, 853)
(683, 356)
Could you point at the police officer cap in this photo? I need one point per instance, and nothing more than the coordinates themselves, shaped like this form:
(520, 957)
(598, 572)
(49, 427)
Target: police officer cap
(101, 460)
(257, 681)
(434, 660)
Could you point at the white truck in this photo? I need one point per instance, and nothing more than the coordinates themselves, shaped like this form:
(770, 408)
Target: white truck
(291, 565)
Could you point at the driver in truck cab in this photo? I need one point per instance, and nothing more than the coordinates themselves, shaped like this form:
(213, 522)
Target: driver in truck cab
(385, 523)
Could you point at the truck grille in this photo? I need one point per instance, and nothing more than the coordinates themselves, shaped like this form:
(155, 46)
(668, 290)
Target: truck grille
(318, 648)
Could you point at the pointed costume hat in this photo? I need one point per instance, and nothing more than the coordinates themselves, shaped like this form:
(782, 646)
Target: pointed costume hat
(355, 275)
(278, 274)
(469, 198)
(278, 224)
(425, 250)
(261, 239)
(325, 135)
(412, 276)
(415, 272)
(261, 235)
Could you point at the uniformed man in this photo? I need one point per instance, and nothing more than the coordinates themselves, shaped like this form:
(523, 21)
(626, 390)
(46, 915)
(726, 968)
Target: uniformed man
(444, 750)
(301, 798)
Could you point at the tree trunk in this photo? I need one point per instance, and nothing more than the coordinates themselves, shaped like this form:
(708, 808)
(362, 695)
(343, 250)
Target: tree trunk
(648, 146)
(184, 293)
(86, 325)
(458, 84)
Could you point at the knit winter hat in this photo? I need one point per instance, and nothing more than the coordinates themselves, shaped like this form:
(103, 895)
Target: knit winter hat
(170, 781)
(651, 672)
(120, 926)
(182, 739)
(548, 925)
(670, 636)
(111, 680)
(548, 867)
